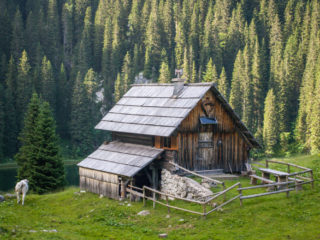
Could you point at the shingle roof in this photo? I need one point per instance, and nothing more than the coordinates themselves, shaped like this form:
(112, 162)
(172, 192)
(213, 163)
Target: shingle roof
(120, 158)
(150, 109)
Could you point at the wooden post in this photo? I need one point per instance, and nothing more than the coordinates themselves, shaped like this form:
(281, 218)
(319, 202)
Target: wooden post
(267, 164)
(287, 187)
(204, 210)
(225, 194)
(167, 199)
(311, 175)
(131, 184)
(240, 192)
(154, 199)
(144, 197)
(122, 190)
(288, 168)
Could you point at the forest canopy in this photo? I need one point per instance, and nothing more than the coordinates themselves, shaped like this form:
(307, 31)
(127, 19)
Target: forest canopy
(262, 55)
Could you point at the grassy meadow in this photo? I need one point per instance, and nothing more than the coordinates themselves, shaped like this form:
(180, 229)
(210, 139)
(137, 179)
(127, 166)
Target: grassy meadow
(68, 215)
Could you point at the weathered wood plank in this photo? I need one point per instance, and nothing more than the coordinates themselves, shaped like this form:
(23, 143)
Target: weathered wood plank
(267, 193)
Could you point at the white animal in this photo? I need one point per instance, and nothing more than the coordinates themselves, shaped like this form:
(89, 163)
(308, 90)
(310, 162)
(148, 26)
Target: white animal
(22, 187)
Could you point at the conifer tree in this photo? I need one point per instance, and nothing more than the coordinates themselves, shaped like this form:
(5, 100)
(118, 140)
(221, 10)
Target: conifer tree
(236, 96)
(67, 34)
(17, 42)
(269, 126)
(47, 170)
(48, 84)
(315, 118)
(63, 103)
(164, 73)
(24, 84)
(27, 153)
(81, 127)
(211, 73)
(11, 82)
(11, 128)
(223, 85)
(117, 89)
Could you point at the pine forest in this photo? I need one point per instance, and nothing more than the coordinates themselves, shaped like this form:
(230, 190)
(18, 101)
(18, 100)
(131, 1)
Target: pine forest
(81, 56)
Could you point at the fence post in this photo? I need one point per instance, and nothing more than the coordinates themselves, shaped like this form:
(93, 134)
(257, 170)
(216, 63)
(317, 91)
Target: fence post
(240, 192)
(131, 190)
(154, 199)
(167, 203)
(225, 194)
(144, 197)
(288, 168)
(311, 175)
(204, 210)
(267, 164)
(287, 187)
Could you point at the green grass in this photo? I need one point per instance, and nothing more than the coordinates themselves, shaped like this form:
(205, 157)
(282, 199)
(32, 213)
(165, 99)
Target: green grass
(89, 217)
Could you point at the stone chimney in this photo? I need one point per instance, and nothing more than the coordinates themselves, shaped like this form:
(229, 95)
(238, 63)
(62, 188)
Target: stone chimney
(178, 83)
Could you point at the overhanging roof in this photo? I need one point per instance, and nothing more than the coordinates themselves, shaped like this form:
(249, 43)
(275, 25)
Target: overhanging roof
(120, 158)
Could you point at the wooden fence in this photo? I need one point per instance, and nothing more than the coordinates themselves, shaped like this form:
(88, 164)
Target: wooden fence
(290, 184)
(296, 176)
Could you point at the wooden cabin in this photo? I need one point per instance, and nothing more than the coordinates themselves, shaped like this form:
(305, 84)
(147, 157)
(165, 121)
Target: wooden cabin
(189, 124)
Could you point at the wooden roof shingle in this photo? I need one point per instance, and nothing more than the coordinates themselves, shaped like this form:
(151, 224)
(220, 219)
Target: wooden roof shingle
(120, 158)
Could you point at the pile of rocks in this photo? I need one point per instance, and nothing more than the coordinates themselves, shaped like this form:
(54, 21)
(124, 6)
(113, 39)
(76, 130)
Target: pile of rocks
(183, 186)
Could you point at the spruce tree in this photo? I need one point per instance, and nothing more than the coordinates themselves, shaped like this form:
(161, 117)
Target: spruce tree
(17, 42)
(164, 73)
(117, 89)
(24, 84)
(47, 170)
(27, 153)
(11, 127)
(223, 85)
(269, 126)
(48, 84)
(211, 73)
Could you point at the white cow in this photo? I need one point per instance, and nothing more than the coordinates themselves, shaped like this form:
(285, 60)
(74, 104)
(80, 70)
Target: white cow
(22, 187)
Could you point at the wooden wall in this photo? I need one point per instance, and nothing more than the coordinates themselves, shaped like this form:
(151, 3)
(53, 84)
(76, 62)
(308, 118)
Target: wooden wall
(134, 138)
(211, 146)
(99, 182)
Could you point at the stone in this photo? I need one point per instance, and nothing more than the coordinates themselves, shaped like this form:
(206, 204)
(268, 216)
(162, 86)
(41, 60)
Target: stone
(206, 185)
(168, 216)
(181, 220)
(163, 235)
(101, 196)
(190, 195)
(82, 191)
(129, 205)
(9, 195)
(1, 198)
(143, 213)
(32, 231)
(76, 193)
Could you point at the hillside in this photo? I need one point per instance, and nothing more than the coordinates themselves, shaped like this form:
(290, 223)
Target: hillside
(262, 55)
(86, 216)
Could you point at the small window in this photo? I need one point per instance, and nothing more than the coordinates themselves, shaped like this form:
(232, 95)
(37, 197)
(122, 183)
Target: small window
(169, 143)
(208, 121)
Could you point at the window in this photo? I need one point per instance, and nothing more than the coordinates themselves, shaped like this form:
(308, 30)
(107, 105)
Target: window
(169, 143)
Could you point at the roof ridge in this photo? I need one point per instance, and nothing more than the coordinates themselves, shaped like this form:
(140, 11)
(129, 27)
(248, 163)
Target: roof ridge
(172, 84)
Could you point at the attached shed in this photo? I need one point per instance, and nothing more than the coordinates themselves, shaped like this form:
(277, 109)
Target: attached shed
(189, 124)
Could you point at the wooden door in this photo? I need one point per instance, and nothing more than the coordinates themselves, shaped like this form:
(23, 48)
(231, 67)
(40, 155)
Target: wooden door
(205, 159)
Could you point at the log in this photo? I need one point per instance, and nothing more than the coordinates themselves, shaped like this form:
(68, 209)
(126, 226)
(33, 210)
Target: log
(265, 185)
(264, 194)
(291, 164)
(223, 204)
(222, 192)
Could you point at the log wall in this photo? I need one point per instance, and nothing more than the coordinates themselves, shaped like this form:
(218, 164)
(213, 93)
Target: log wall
(99, 182)
(211, 146)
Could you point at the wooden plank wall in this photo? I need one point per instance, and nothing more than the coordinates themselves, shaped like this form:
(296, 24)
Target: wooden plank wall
(230, 155)
(99, 182)
(134, 138)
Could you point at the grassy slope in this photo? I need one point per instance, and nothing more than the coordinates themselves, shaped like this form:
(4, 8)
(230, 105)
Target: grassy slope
(89, 217)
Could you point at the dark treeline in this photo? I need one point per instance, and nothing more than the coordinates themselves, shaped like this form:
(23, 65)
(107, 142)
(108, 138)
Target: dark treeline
(263, 56)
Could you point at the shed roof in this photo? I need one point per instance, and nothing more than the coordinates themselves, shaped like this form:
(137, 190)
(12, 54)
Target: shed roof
(120, 158)
(150, 109)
